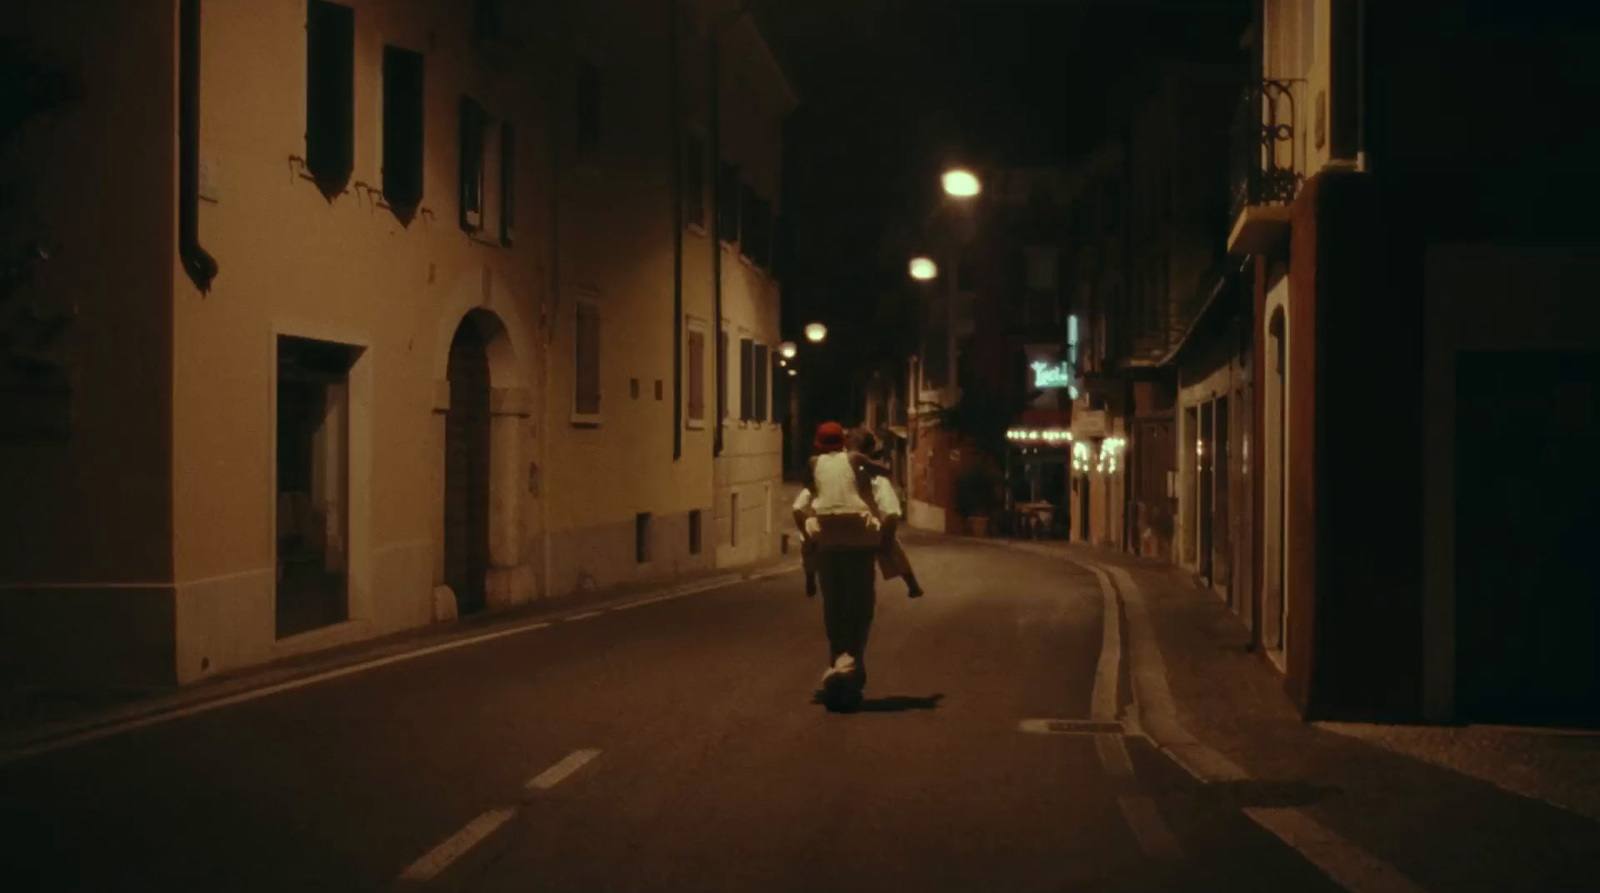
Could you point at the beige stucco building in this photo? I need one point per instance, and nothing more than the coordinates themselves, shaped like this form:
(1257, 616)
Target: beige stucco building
(386, 311)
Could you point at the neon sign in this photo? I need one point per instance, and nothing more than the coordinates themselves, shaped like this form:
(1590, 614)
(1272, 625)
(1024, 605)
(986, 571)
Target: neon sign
(1047, 375)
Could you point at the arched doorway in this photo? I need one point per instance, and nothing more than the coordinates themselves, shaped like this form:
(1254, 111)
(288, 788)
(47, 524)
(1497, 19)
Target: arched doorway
(466, 491)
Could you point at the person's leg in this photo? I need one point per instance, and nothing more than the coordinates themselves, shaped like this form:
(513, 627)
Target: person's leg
(914, 589)
(859, 571)
(835, 603)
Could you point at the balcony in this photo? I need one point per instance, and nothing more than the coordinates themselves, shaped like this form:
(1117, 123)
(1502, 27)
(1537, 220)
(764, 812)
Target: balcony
(1266, 165)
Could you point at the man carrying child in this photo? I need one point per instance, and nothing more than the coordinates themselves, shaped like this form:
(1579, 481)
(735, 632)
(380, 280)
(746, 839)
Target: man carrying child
(847, 515)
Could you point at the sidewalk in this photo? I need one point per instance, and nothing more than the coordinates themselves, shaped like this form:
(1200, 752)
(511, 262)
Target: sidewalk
(34, 714)
(1453, 809)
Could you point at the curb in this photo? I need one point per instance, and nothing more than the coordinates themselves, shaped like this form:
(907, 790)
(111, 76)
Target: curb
(63, 733)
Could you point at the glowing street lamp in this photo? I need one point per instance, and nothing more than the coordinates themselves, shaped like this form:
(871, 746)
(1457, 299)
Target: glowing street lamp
(792, 372)
(923, 268)
(961, 184)
(788, 350)
(815, 332)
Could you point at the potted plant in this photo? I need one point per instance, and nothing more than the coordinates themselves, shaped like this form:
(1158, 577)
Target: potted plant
(975, 497)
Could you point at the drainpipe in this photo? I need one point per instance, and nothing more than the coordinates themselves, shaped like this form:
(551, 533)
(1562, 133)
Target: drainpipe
(1361, 85)
(675, 113)
(552, 306)
(200, 265)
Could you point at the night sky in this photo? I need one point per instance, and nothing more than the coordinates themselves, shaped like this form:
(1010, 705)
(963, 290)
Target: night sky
(894, 90)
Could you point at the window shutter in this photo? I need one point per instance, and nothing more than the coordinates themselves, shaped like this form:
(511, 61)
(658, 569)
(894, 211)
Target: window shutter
(330, 94)
(761, 362)
(508, 183)
(727, 371)
(747, 383)
(587, 391)
(697, 375)
(402, 130)
(471, 172)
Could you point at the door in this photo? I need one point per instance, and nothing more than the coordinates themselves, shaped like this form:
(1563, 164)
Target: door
(1203, 489)
(1527, 492)
(466, 505)
(1221, 511)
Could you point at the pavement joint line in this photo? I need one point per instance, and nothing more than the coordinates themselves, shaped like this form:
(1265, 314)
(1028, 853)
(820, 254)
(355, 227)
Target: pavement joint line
(561, 771)
(96, 728)
(1114, 756)
(455, 846)
(1104, 697)
(1148, 827)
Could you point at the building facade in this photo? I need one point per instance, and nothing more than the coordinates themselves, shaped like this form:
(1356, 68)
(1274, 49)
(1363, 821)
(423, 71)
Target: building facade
(418, 323)
(1403, 321)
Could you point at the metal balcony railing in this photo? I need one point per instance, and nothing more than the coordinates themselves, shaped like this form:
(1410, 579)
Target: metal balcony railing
(1266, 146)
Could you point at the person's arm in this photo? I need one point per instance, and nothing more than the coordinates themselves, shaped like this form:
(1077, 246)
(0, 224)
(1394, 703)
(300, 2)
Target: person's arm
(802, 510)
(872, 466)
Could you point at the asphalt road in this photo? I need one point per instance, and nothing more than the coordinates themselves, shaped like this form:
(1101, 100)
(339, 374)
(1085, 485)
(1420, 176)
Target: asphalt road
(671, 746)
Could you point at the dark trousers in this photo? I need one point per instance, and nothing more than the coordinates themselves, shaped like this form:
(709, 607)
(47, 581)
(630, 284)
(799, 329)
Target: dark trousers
(847, 578)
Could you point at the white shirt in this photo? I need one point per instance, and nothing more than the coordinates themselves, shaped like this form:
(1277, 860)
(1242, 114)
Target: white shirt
(838, 495)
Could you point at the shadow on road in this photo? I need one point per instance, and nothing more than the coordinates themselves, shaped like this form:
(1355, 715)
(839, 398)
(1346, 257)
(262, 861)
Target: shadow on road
(889, 704)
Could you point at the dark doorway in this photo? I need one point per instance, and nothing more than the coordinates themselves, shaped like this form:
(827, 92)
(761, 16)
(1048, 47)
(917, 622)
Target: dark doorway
(313, 484)
(1527, 492)
(1205, 461)
(1221, 512)
(466, 469)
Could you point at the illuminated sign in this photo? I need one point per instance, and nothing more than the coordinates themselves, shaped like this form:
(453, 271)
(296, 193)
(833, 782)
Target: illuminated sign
(1052, 375)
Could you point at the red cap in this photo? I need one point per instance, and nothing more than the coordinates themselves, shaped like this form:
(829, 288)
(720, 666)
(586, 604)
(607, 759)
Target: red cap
(830, 437)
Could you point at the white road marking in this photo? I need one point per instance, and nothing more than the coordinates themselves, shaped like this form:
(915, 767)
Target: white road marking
(1114, 757)
(584, 616)
(1349, 865)
(1148, 826)
(1103, 702)
(439, 858)
(114, 727)
(558, 773)
(1154, 710)
(118, 728)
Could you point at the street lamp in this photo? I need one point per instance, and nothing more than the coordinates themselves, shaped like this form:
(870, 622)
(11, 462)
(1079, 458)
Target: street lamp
(923, 268)
(788, 350)
(815, 332)
(792, 372)
(961, 183)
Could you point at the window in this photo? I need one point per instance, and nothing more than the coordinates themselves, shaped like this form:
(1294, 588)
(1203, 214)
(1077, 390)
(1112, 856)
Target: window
(697, 378)
(1041, 268)
(747, 379)
(727, 370)
(694, 531)
(966, 275)
(728, 203)
(780, 247)
(586, 390)
(641, 538)
(508, 183)
(762, 364)
(330, 94)
(402, 131)
(749, 222)
(488, 19)
(588, 107)
(473, 121)
(694, 180)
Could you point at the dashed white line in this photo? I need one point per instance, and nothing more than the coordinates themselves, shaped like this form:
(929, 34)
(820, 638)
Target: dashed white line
(1103, 701)
(440, 857)
(1114, 756)
(584, 616)
(558, 773)
(476, 831)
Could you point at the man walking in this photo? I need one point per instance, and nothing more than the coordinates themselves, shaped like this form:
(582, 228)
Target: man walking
(847, 520)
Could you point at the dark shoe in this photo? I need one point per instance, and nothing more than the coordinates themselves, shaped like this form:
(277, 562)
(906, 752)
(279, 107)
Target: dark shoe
(913, 588)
